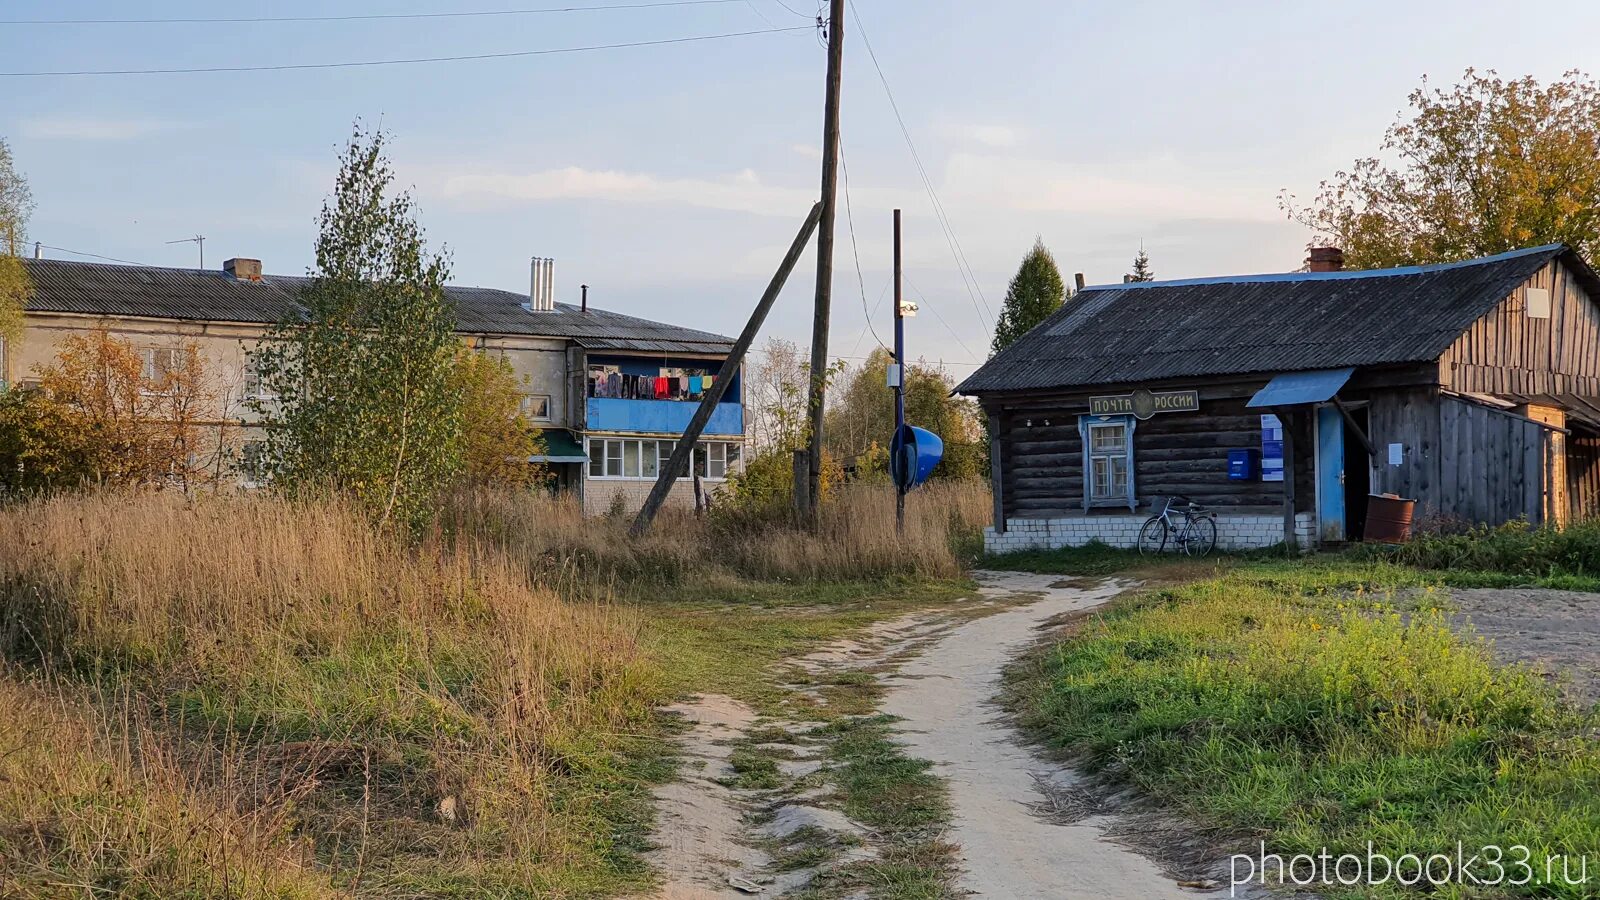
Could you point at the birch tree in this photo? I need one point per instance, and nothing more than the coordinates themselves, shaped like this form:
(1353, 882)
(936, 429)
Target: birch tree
(366, 404)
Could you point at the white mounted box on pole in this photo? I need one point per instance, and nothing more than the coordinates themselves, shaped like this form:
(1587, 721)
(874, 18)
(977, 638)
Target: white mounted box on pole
(894, 376)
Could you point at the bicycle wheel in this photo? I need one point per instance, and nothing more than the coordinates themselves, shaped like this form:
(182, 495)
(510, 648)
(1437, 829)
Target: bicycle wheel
(1200, 536)
(1153, 536)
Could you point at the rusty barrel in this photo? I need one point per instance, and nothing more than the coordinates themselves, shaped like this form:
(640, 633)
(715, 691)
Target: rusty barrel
(1389, 518)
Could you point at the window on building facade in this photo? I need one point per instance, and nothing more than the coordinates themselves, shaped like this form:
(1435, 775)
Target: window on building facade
(535, 407)
(159, 362)
(1108, 461)
(253, 462)
(644, 458)
(252, 385)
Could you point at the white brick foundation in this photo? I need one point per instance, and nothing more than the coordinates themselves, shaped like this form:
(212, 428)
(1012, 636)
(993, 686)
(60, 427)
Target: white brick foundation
(1235, 531)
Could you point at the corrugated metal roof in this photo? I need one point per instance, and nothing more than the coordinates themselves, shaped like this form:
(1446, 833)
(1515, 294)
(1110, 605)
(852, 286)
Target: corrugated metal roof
(100, 289)
(1247, 324)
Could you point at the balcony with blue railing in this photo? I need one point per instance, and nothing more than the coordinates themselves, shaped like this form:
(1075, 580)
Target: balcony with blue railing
(660, 416)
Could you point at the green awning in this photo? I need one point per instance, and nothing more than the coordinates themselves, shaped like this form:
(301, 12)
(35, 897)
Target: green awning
(560, 446)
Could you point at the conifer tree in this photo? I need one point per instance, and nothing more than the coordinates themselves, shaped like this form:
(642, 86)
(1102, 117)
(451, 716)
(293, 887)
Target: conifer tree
(1141, 268)
(1035, 292)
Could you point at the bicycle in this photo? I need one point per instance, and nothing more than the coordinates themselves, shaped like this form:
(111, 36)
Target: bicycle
(1192, 528)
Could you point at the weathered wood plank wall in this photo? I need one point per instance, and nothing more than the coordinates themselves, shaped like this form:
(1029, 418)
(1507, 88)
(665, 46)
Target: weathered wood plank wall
(1509, 352)
(1500, 465)
(1583, 477)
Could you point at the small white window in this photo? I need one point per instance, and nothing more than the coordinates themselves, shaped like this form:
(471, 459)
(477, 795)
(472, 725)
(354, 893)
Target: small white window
(649, 459)
(253, 387)
(717, 461)
(614, 459)
(630, 459)
(597, 458)
(159, 362)
(535, 407)
(1538, 303)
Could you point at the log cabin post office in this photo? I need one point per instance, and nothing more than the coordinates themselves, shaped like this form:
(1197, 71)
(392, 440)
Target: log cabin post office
(610, 393)
(1282, 401)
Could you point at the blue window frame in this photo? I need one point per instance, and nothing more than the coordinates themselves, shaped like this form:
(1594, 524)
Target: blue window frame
(1107, 460)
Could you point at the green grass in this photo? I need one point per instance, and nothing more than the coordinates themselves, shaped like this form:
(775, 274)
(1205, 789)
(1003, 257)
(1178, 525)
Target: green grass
(727, 638)
(1505, 556)
(901, 801)
(1302, 704)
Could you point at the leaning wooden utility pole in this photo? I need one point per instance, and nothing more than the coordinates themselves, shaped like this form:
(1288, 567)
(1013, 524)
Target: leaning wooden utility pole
(819, 323)
(683, 452)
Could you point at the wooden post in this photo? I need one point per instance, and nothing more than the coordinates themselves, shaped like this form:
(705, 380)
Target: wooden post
(997, 480)
(1290, 544)
(802, 493)
(683, 451)
(824, 296)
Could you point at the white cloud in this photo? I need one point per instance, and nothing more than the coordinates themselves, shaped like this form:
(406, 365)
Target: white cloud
(91, 128)
(742, 191)
(809, 151)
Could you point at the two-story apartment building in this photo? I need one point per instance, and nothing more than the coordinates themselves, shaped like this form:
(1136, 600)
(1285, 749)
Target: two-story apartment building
(611, 393)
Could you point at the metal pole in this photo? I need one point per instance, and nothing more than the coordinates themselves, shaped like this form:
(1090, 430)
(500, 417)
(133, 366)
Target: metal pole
(900, 380)
(824, 296)
(708, 404)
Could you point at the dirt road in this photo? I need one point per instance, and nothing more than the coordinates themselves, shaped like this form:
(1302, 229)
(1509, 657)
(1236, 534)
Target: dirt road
(1025, 827)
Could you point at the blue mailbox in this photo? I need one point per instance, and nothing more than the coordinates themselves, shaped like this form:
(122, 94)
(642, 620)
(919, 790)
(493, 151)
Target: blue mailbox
(1244, 465)
(912, 455)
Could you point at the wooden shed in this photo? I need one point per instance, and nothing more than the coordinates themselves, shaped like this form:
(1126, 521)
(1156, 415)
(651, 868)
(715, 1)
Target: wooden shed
(1283, 401)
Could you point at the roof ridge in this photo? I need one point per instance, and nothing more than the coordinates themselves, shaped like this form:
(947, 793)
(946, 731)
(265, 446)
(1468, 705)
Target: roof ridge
(1341, 275)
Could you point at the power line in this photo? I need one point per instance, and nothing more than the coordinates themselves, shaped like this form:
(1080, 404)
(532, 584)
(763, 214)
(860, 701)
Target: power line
(241, 20)
(943, 362)
(425, 59)
(935, 310)
(792, 9)
(968, 277)
(855, 250)
(91, 255)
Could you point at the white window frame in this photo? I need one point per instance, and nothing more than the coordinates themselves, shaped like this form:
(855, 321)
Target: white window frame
(251, 386)
(611, 456)
(1121, 452)
(535, 400)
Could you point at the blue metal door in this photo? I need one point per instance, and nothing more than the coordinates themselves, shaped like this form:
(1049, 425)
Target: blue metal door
(1330, 474)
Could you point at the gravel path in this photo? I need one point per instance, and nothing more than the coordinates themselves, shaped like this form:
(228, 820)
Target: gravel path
(1557, 633)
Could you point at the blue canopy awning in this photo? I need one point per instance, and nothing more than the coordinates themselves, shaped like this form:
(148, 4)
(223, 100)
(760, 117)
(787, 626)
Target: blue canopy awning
(1294, 388)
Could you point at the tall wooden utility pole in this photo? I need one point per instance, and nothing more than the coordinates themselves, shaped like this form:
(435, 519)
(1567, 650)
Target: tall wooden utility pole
(819, 324)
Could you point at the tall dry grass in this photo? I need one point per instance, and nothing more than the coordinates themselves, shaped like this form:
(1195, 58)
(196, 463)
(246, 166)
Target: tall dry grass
(856, 538)
(244, 696)
(436, 713)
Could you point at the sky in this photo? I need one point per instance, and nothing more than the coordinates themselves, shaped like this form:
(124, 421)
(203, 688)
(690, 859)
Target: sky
(670, 178)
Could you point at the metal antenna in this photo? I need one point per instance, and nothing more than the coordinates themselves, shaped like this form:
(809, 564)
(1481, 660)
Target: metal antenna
(198, 239)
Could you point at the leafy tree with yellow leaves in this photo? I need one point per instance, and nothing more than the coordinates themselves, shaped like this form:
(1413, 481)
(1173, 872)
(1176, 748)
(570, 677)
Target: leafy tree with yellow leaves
(1486, 166)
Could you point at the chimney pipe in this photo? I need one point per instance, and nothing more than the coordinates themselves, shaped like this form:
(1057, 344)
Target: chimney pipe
(541, 285)
(1324, 259)
(38, 250)
(1077, 279)
(585, 289)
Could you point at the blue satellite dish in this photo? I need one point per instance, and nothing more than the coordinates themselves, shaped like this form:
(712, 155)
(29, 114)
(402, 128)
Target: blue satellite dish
(912, 455)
